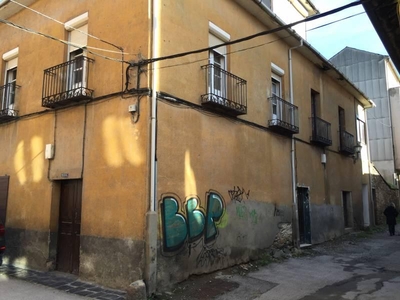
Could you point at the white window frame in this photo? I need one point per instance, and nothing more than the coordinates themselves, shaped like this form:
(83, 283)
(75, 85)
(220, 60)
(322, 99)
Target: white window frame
(10, 76)
(217, 36)
(276, 77)
(276, 105)
(77, 24)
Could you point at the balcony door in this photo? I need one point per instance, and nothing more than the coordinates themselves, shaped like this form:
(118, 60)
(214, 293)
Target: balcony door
(77, 71)
(276, 90)
(218, 77)
(8, 98)
(77, 67)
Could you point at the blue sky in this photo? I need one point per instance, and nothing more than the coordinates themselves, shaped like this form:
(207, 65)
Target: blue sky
(356, 32)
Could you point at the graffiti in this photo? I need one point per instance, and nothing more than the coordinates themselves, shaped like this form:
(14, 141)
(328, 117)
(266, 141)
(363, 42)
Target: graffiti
(278, 212)
(242, 212)
(210, 256)
(237, 194)
(190, 224)
(253, 217)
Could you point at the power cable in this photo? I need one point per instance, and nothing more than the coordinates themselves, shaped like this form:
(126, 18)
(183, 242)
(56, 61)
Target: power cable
(77, 29)
(250, 37)
(148, 61)
(227, 53)
(330, 23)
(28, 30)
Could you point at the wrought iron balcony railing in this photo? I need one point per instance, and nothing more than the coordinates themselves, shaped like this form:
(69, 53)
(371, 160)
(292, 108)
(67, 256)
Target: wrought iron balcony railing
(8, 94)
(346, 142)
(66, 83)
(226, 92)
(284, 116)
(321, 132)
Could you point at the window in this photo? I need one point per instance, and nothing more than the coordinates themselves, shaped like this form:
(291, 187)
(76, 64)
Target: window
(10, 80)
(218, 81)
(341, 119)
(77, 69)
(361, 131)
(276, 91)
(218, 61)
(361, 128)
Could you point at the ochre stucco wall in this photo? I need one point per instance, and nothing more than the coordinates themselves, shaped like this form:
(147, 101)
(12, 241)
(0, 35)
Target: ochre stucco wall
(99, 143)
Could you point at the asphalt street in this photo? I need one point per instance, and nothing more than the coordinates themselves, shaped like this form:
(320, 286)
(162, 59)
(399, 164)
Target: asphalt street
(358, 266)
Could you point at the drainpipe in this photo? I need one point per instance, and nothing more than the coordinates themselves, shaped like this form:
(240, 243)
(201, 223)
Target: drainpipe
(150, 275)
(295, 217)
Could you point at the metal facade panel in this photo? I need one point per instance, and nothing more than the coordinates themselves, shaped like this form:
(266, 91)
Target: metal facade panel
(367, 71)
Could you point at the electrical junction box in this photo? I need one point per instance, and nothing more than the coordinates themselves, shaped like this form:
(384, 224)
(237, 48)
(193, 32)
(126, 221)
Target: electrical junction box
(49, 151)
(132, 108)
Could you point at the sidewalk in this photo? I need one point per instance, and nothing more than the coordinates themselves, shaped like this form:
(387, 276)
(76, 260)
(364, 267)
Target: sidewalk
(63, 282)
(358, 264)
(361, 265)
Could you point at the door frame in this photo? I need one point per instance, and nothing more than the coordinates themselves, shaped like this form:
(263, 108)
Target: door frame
(307, 240)
(71, 264)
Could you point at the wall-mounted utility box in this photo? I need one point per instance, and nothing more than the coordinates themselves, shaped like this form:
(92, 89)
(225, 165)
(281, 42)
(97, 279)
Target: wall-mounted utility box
(132, 108)
(49, 151)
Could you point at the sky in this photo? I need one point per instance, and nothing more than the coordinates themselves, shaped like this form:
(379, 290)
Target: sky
(356, 32)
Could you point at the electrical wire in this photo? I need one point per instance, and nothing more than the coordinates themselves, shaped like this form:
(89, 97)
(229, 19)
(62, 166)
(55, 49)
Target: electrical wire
(77, 29)
(227, 53)
(28, 30)
(250, 37)
(330, 23)
(148, 61)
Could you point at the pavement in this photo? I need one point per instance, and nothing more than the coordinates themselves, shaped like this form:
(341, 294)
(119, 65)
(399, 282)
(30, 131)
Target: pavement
(358, 266)
(63, 282)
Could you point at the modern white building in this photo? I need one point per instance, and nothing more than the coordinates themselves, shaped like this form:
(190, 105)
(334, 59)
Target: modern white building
(376, 76)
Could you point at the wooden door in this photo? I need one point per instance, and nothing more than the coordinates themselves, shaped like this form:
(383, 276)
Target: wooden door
(304, 215)
(69, 229)
(3, 197)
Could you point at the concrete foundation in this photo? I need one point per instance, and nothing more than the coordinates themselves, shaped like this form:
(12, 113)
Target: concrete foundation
(112, 262)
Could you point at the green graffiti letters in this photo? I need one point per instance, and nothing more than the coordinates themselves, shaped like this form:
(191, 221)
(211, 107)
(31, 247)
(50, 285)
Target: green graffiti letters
(195, 219)
(175, 229)
(191, 225)
(215, 209)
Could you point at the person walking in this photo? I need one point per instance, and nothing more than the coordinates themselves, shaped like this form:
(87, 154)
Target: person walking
(391, 214)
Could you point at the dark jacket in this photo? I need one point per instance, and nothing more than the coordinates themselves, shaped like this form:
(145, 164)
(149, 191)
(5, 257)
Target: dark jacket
(391, 214)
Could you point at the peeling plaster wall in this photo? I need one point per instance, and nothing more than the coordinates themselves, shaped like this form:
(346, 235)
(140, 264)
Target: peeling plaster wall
(245, 229)
(326, 222)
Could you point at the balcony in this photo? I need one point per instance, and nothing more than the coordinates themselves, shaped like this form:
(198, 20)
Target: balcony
(346, 142)
(284, 116)
(67, 83)
(7, 96)
(321, 132)
(226, 93)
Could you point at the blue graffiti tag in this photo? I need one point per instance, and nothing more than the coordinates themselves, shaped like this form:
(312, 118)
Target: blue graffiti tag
(215, 209)
(196, 219)
(175, 229)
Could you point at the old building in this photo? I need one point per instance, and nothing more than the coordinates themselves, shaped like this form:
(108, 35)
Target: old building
(171, 141)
